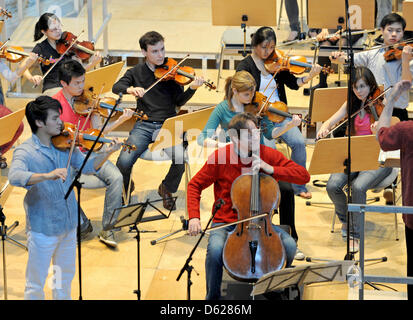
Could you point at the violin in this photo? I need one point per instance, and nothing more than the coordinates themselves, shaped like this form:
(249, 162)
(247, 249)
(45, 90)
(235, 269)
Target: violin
(16, 54)
(278, 61)
(395, 52)
(275, 111)
(85, 139)
(170, 70)
(375, 103)
(5, 13)
(82, 49)
(90, 102)
(254, 248)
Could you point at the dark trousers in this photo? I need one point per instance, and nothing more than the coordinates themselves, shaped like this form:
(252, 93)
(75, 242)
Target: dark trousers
(286, 208)
(401, 114)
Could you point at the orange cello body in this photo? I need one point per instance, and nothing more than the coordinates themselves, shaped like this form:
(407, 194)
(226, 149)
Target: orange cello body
(254, 248)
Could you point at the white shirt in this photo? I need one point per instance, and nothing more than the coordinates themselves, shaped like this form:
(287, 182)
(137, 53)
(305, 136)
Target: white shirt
(386, 73)
(265, 79)
(9, 75)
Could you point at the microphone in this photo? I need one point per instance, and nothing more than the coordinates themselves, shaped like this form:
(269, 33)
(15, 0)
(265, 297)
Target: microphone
(220, 202)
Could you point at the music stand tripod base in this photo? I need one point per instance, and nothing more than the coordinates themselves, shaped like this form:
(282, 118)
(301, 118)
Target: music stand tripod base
(132, 215)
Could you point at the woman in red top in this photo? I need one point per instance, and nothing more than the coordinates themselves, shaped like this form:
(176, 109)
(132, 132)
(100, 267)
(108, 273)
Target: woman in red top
(364, 86)
(222, 168)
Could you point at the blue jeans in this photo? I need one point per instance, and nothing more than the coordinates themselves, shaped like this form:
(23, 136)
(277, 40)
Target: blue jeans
(108, 177)
(361, 182)
(214, 263)
(295, 140)
(143, 134)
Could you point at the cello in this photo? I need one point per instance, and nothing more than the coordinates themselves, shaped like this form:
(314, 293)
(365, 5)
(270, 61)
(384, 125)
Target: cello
(254, 248)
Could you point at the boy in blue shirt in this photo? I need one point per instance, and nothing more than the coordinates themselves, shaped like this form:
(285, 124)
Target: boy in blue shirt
(51, 220)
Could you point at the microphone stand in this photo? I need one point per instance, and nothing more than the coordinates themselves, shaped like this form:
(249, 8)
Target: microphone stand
(347, 162)
(78, 186)
(188, 268)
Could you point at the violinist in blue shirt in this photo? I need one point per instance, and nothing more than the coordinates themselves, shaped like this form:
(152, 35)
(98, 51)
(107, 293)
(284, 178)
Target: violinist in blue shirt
(51, 220)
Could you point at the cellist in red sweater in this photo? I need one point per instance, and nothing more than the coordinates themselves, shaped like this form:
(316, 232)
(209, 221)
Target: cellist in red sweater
(222, 168)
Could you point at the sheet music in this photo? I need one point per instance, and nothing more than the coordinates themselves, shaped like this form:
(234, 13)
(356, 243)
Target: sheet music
(383, 155)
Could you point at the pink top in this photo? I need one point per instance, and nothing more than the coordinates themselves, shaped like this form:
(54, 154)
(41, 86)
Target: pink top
(68, 115)
(362, 126)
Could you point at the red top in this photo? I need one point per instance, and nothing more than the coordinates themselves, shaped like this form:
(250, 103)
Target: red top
(400, 136)
(224, 166)
(68, 115)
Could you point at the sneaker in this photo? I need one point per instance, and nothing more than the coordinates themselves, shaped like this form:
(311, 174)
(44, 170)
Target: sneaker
(108, 238)
(85, 229)
(299, 255)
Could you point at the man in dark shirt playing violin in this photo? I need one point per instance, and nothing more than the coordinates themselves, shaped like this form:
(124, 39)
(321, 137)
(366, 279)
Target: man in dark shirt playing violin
(72, 80)
(222, 168)
(159, 104)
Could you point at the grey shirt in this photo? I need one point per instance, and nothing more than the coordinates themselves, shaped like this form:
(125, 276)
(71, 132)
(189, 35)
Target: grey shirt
(386, 73)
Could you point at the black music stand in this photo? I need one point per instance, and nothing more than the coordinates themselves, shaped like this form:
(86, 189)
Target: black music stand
(132, 215)
(187, 267)
(301, 275)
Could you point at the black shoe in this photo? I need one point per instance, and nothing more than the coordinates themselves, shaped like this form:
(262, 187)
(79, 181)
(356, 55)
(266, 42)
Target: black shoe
(168, 201)
(3, 163)
(388, 196)
(85, 229)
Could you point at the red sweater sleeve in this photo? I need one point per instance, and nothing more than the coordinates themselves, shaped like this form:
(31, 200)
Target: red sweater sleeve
(284, 169)
(202, 180)
(391, 138)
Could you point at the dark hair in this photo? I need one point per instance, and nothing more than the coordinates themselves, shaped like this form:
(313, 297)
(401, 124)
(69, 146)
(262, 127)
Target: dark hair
(392, 18)
(368, 77)
(43, 24)
(239, 122)
(70, 69)
(150, 38)
(38, 110)
(263, 34)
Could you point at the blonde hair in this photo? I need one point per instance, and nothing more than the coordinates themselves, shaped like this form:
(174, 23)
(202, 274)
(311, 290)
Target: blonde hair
(241, 81)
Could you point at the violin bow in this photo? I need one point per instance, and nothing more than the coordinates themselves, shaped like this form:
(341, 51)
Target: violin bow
(369, 103)
(72, 146)
(262, 215)
(4, 44)
(60, 58)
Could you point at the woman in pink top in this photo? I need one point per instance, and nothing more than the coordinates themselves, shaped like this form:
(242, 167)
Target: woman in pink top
(364, 85)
